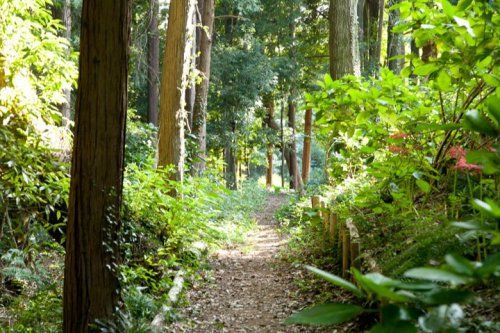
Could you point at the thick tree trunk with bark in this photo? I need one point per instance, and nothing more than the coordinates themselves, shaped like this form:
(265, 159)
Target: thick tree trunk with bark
(153, 63)
(200, 106)
(62, 10)
(395, 41)
(306, 152)
(171, 143)
(343, 39)
(91, 287)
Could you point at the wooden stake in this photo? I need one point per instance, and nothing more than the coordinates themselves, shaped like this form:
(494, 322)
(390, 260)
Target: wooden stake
(315, 201)
(354, 251)
(333, 225)
(345, 251)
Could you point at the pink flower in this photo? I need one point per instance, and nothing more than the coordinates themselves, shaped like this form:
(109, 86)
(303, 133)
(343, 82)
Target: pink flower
(457, 152)
(464, 166)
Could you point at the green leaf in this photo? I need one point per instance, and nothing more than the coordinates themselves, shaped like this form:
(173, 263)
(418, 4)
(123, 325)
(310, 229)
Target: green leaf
(376, 286)
(460, 264)
(471, 225)
(435, 274)
(334, 279)
(444, 80)
(464, 23)
(448, 8)
(325, 314)
(423, 185)
(493, 104)
(426, 69)
(477, 122)
(446, 296)
(489, 207)
(395, 327)
(491, 265)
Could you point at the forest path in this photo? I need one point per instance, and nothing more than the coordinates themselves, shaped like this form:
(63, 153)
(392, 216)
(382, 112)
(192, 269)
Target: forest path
(253, 289)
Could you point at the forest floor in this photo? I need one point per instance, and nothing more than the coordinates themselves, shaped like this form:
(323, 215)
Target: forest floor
(252, 289)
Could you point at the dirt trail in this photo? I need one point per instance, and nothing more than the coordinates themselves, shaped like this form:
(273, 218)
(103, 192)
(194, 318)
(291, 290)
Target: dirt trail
(253, 289)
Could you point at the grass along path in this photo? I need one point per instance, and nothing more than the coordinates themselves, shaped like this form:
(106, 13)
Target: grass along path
(252, 289)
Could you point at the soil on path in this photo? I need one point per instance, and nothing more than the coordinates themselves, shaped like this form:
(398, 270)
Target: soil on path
(253, 289)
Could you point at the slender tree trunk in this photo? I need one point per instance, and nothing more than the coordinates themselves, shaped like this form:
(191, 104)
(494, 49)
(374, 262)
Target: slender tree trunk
(269, 173)
(171, 145)
(153, 63)
(306, 153)
(230, 160)
(268, 102)
(62, 11)
(200, 106)
(343, 39)
(191, 88)
(295, 179)
(91, 287)
(283, 153)
(395, 41)
(371, 33)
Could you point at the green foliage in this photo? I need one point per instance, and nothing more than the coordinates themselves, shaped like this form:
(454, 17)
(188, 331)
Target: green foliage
(34, 67)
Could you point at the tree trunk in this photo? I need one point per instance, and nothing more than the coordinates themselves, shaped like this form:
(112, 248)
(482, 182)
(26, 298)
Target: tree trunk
(200, 106)
(91, 287)
(191, 88)
(395, 42)
(371, 32)
(429, 51)
(230, 161)
(306, 153)
(171, 143)
(62, 10)
(268, 102)
(295, 179)
(153, 63)
(269, 171)
(343, 39)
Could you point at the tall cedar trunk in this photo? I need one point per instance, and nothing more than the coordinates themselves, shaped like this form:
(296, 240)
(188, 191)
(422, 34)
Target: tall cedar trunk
(200, 106)
(395, 41)
(91, 287)
(62, 10)
(230, 160)
(171, 143)
(295, 179)
(306, 152)
(153, 63)
(343, 39)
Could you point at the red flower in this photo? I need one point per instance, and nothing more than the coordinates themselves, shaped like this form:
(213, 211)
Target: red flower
(399, 135)
(397, 149)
